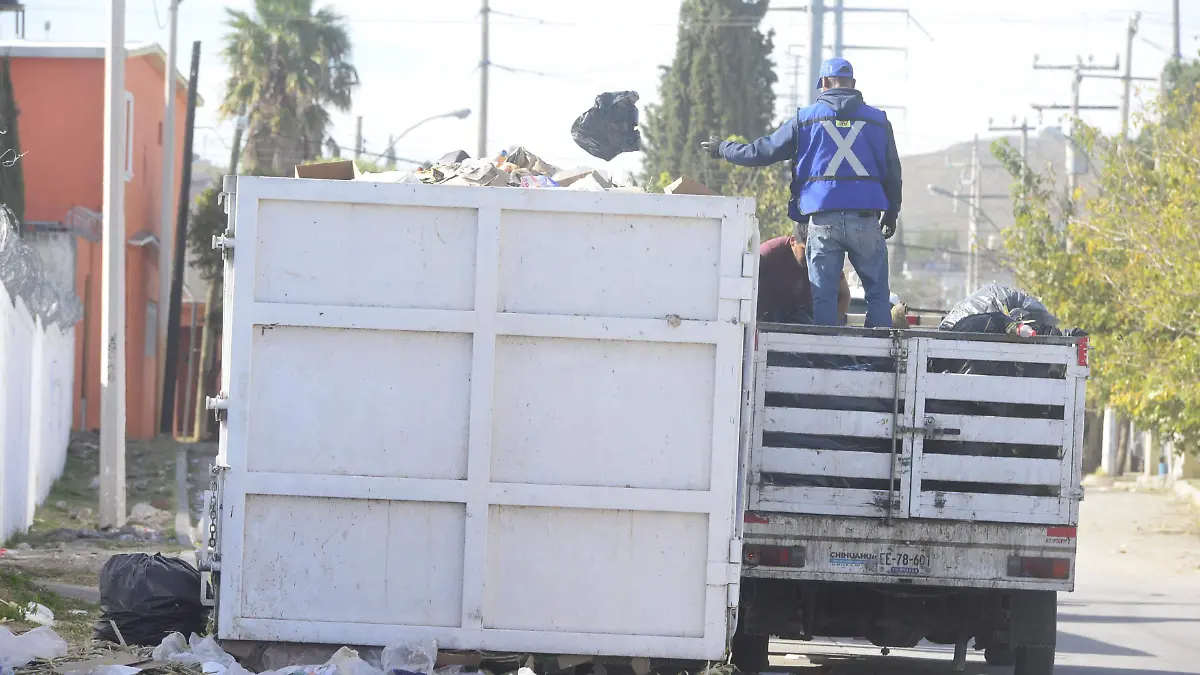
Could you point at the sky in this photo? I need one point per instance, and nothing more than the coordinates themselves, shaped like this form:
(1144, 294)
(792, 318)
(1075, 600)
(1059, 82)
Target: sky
(956, 64)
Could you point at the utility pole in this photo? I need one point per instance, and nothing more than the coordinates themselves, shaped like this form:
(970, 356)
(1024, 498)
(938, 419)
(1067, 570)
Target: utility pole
(839, 11)
(1127, 79)
(816, 44)
(1108, 444)
(171, 371)
(1024, 128)
(165, 231)
(973, 221)
(796, 82)
(358, 137)
(1076, 165)
(816, 47)
(1176, 51)
(112, 284)
(484, 63)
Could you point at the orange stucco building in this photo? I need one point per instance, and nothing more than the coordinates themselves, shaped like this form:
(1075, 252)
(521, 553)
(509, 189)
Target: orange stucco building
(60, 94)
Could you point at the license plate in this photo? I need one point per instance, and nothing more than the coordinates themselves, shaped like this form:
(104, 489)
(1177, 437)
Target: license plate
(903, 561)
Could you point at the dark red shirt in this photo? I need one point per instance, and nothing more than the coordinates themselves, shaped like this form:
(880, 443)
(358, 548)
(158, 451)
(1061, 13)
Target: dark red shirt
(782, 280)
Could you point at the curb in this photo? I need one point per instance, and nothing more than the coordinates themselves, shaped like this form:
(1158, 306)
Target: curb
(83, 593)
(1188, 492)
(183, 520)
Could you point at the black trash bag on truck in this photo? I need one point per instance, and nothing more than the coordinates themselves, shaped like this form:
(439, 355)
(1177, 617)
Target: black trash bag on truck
(995, 309)
(609, 127)
(148, 598)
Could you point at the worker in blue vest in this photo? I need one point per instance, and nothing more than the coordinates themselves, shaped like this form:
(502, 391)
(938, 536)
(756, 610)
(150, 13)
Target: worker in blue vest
(845, 179)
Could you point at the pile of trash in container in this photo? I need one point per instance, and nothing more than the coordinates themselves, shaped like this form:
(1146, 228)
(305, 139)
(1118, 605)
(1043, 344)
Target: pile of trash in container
(513, 167)
(607, 129)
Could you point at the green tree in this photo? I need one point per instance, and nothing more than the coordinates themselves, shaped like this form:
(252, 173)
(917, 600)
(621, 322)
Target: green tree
(12, 174)
(208, 220)
(720, 83)
(770, 187)
(288, 65)
(1126, 266)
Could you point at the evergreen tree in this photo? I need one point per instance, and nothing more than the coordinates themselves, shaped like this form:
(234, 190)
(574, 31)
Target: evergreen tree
(12, 175)
(720, 83)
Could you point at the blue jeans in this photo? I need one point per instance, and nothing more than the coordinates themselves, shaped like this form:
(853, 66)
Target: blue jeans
(831, 237)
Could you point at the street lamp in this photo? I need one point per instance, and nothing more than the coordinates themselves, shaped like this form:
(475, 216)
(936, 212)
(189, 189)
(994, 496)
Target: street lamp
(943, 192)
(461, 114)
(972, 280)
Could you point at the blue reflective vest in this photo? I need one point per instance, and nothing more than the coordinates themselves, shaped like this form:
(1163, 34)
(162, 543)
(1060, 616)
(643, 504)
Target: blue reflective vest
(840, 159)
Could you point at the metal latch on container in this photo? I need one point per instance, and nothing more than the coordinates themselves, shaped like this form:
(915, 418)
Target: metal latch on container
(219, 404)
(228, 190)
(930, 429)
(222, 242)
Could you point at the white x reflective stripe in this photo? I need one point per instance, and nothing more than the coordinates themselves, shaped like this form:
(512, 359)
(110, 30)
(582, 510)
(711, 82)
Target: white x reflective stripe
(844, 152)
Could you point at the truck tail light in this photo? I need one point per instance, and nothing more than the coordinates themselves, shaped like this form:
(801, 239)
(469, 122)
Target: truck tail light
(755, 519)
(913, 319)
(1039, 568)
(1081, 351)
(773, 556)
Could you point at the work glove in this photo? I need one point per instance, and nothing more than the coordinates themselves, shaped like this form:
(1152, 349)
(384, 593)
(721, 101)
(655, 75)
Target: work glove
(887, 226)
(712, 147)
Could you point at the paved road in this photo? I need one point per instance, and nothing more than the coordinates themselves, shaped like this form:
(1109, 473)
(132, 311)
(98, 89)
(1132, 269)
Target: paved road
(1136, 608)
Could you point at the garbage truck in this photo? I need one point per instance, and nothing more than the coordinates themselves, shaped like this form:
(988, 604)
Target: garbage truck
(544, 421)
(912, 486)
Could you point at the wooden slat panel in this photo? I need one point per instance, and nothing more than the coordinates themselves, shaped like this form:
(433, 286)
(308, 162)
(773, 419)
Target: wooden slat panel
(994, 389)
(843, 463)
(1001, 351)
(1007, 470)
(1001, 508)
(1000, 429)
(824, 501)
(825, 344)
(817, 381)
(828, 422)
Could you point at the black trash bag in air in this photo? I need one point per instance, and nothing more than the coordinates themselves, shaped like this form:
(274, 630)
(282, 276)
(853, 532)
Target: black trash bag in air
(609, 127)
(149, 597)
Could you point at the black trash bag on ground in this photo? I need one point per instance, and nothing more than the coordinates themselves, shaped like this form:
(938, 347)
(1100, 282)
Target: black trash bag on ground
(995, 308)
(149, 597)
(610, 126)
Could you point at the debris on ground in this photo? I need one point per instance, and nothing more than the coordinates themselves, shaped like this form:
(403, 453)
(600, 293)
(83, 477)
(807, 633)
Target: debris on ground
(417, 657)
(146, 514)
(17, 651)
(145, 598)
(127, 533)
(407, 659)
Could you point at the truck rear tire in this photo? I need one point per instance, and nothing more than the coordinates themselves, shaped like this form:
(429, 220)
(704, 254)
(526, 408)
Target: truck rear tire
(751, 653)
(1000, 655)
(1034, 628)
(1034, 660)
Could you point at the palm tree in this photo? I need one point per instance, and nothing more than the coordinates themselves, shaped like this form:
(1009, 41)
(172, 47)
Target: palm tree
(288, 65)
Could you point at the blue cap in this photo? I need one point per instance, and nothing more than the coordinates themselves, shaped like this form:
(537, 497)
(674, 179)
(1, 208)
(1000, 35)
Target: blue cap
(835, 67)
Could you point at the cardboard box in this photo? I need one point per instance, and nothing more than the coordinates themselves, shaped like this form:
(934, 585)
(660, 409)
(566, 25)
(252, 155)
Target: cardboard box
(344, 169)
(687, 186)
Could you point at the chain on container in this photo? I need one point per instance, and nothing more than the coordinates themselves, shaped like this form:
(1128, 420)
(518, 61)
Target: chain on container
(212, 507)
